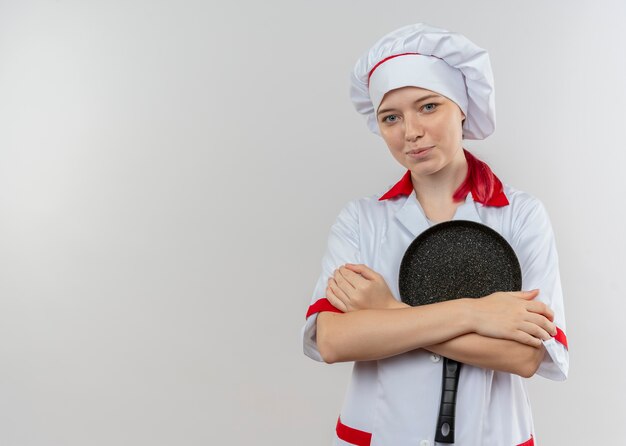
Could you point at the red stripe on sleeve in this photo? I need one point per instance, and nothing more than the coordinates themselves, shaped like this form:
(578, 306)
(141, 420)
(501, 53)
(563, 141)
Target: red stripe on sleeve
(560, 337)
(353, 436)
(321, 305)
(530, 442)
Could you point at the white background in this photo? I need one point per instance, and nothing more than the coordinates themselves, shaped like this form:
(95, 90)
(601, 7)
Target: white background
(169, 171)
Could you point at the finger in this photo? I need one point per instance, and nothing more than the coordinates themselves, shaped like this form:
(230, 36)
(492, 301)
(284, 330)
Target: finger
(524, 338)
(540, 308)
(339, 292)
(343, 283)
(542, 322)
(354, 278)
(362, 269)
(335, 301)
(536, 331)
(528, 295)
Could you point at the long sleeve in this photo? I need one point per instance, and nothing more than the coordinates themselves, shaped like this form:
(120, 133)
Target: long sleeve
(534, 243)
(343, 247)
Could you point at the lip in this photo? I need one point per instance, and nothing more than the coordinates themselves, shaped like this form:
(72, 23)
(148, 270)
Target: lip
(419, 153)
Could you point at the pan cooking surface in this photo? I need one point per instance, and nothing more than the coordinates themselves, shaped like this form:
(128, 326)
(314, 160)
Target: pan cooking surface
(455, 259)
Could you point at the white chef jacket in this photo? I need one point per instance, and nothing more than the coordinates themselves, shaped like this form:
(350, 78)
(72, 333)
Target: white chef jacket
(395, 401)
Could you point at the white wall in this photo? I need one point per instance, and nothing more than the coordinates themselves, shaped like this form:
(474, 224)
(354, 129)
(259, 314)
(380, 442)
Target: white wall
(168, 175)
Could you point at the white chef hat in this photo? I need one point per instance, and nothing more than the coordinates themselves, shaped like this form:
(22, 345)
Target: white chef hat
(432, 58)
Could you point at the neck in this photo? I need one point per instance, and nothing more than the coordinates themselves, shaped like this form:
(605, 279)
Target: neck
(441, 185)
(435, 191)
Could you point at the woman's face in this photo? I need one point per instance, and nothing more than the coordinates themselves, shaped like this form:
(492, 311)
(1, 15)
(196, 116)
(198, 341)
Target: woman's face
(422, 129)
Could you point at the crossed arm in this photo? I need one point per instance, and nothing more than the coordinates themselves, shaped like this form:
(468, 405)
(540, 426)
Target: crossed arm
(502, 331)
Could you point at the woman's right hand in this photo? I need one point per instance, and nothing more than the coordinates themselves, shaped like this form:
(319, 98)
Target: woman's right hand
(513, 315)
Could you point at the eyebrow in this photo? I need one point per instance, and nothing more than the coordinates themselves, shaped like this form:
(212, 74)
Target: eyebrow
(380, 112)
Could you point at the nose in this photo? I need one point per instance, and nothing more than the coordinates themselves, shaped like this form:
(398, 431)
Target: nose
(413, 129)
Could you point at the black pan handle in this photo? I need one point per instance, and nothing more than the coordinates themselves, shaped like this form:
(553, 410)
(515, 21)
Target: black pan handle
(447, 406)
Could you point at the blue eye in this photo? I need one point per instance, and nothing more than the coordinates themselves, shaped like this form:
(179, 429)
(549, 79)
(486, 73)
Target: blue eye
(430, 107)
(390, 119)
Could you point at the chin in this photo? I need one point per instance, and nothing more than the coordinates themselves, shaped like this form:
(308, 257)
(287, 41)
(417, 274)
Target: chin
(430, 165)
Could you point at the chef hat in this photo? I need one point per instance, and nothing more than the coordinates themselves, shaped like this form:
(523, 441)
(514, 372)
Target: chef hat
(432, 58)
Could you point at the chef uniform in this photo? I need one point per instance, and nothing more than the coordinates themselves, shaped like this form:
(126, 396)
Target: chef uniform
(395, 401)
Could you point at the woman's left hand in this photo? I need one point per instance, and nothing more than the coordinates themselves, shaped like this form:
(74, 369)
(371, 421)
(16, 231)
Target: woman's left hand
(358, 287)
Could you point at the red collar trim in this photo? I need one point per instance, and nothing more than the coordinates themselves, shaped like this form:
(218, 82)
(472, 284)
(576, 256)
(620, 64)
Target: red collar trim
(402, 187)
(486, 188)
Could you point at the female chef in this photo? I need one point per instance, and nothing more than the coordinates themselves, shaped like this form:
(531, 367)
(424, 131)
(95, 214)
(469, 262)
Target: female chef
(424, 90)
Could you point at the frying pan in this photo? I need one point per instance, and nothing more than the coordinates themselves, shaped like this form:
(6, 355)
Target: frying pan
(451, 260)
